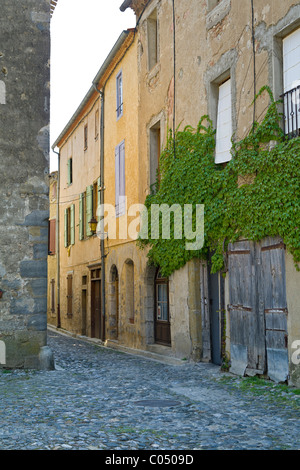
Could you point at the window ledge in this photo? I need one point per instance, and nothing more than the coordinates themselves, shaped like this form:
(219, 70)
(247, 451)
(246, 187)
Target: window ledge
(153, 74)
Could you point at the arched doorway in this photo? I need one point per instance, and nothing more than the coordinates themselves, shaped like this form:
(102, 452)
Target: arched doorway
(162, 330)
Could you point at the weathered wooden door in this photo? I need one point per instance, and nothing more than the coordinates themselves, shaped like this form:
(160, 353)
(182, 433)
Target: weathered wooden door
(257, 296)
(275, 308)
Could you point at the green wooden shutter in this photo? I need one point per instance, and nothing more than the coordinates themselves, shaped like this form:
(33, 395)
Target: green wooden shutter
(81, 216)
(66, 228)
(89, 208)
(72, 224)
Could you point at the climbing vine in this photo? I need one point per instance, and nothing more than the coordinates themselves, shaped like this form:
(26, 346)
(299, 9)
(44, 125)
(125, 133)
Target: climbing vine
(257, 194)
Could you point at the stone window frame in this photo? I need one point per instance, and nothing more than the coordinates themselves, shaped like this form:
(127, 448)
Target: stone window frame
(271, 39)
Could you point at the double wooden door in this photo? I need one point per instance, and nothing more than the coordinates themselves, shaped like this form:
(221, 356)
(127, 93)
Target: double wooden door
(258, 308)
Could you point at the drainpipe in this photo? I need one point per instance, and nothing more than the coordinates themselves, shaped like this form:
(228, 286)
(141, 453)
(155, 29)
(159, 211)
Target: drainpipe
(102, 188)
(57, 241)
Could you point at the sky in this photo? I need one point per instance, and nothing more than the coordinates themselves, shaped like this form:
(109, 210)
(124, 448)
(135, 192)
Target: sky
(83, 32)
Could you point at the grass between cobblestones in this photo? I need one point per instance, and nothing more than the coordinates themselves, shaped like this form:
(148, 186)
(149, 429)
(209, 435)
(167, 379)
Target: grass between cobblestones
(257, 386)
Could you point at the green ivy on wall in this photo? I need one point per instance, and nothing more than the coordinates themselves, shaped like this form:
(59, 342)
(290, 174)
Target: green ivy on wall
(267, 204)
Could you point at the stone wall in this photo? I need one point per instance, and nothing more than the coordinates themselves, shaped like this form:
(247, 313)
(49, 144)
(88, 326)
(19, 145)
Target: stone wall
(24, 154)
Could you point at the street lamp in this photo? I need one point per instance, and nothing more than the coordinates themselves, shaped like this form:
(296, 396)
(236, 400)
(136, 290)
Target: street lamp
(93, 225)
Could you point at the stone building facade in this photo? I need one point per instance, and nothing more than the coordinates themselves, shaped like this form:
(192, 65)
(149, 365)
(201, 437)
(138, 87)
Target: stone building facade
(24, 155)
(192, 58)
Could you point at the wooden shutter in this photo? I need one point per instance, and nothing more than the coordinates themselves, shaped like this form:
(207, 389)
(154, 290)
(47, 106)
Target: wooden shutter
(224, 124)
(72, 224)
(89, 208)
(51, 238)
(66, 228)
(81, 216)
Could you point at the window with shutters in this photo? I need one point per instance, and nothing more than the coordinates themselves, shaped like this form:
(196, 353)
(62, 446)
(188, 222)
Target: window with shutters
(120, 179)
(70, 171)
(224, 124)
(119, 86)
(69, 226)
(51, 236)
(291, 84)
(70, 294)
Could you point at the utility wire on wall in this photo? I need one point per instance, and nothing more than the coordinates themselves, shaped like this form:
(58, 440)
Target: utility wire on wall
(254, 62)
(174, 73)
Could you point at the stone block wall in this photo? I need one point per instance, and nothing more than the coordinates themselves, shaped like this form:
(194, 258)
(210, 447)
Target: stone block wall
(24, 163)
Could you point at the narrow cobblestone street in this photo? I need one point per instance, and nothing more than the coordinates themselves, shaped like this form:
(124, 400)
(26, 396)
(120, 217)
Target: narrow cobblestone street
(92, 401)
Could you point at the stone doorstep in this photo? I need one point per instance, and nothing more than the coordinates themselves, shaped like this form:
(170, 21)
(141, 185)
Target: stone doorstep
(156, 354)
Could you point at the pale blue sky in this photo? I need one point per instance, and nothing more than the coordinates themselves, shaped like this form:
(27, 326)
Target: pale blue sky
(82, 34)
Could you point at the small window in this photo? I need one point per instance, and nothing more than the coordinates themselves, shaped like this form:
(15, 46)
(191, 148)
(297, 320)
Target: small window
(85, 137)
(119, 84)
(70, 171)
(152, 35)
(224, 124)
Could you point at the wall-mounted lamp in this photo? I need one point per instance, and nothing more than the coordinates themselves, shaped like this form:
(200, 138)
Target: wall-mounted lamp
(93, 225)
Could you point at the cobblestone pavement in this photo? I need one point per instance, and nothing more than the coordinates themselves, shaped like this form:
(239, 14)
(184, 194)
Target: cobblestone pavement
(91, 401)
